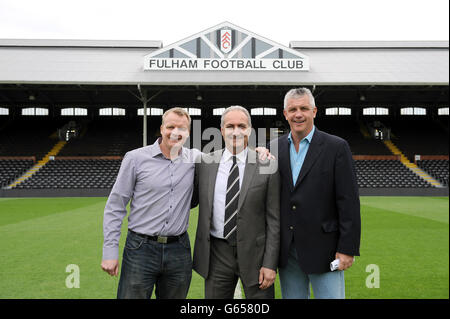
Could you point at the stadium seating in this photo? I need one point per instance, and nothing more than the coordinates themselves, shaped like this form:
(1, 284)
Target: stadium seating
(387, 173)
(438, 169)
(90, 173)
(114, 137)
(102, 174)
(11, 169)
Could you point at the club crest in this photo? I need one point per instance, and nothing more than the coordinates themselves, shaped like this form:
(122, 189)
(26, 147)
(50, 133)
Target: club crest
(225, 40)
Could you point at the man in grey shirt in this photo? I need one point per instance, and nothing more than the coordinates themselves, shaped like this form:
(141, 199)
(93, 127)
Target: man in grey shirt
(158, 179)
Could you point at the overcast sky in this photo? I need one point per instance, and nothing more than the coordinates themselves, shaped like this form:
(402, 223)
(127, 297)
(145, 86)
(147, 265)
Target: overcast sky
(173, 20)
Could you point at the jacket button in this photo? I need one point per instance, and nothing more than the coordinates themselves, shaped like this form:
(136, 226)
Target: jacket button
(291, 227)
(294, 207)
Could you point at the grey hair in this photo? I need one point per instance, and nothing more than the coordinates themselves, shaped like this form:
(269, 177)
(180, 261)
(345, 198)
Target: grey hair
(299, 92)
(236, 108)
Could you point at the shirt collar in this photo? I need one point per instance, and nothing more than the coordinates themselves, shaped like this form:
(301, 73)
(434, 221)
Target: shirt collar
(307, 137)
(241, 157)
(155, 148)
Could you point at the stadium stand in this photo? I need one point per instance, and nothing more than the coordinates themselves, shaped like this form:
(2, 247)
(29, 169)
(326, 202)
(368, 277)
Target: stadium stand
(75, 173)
(28, 137)
(436, 168)
(387, 174)
(350, 130)
(93, 158)
(419, 136)
(111, 137)
(12, 168)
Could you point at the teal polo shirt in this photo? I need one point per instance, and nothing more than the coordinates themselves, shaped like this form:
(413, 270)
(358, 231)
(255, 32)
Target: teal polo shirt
(297, 159)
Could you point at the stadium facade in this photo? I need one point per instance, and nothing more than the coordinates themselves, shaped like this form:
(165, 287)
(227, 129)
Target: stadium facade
(369, 84)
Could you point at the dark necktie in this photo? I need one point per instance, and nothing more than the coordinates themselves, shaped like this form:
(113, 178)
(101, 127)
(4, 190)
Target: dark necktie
(231, 204)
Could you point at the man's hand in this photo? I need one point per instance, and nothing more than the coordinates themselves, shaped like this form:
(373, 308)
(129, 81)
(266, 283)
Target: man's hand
(263, 153)
(111, 266)
(345, 261)
(266, 277)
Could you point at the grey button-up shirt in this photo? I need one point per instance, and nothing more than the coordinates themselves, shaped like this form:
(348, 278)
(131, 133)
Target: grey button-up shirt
(160, 191)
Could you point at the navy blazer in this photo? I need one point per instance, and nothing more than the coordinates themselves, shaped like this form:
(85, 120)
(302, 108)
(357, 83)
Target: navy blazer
(320, 214)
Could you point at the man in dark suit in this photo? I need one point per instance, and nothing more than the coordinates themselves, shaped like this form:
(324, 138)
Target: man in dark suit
(320, 209)
(238, 232)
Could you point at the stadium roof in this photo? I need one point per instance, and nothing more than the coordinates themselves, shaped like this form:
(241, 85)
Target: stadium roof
(107, 62)
(70, 43)
(369, 44)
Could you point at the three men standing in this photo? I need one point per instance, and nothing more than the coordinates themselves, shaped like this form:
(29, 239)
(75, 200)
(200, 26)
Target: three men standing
(298, 213)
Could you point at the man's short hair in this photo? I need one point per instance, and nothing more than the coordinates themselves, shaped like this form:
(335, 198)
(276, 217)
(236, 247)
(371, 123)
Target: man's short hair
(236, 108)
(179, 111)
(299, 92)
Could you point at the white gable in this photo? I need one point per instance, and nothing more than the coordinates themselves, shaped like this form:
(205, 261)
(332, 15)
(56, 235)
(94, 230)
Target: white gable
(230, 42)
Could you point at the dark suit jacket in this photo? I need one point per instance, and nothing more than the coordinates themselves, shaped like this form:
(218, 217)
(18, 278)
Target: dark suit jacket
(258, 221)
(320, 214)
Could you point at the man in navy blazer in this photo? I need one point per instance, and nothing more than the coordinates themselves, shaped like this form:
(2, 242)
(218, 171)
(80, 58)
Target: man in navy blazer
(320, 209)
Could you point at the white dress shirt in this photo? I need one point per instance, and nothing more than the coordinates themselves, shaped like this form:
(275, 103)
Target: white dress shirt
(220, 190)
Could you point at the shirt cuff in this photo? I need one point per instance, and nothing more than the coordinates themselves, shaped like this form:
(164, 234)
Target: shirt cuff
(110, 253)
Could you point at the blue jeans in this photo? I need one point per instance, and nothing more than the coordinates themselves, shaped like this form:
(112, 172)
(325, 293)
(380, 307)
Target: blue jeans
(147, 263)
(295, 284)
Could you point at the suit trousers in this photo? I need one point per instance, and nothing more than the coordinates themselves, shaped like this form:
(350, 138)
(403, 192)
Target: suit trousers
(224, 274)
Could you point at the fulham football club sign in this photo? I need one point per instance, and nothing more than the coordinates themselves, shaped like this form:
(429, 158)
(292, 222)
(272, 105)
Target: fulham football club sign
(226, 47)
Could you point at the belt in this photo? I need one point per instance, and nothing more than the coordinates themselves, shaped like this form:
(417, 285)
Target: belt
(160, 239)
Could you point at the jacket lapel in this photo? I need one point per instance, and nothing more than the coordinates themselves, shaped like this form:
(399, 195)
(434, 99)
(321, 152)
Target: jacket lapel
(314, 150)
(212, 174)
(284, 158)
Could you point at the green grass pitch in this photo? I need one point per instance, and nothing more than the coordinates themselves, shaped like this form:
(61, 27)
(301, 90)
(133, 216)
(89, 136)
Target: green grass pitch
(407, 238)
